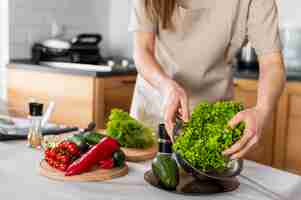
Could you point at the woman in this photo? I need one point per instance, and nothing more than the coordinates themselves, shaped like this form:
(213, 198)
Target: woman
(183, 51)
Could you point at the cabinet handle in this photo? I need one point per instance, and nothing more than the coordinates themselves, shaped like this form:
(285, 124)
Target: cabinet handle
(128, 82)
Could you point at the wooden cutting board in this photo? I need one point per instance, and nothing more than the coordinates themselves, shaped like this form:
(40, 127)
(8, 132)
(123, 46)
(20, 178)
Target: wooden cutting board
(96, 174)
(132, 154)
(138, 155)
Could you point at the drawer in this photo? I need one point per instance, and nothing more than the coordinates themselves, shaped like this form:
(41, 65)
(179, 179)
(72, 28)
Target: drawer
(295, 105)
(120, 82)
(118, 93)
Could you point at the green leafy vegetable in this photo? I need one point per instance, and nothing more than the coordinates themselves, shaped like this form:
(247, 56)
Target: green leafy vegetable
(128, 131)
(207, 135)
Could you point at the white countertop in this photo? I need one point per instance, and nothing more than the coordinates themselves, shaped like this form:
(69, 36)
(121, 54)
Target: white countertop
(19, 179)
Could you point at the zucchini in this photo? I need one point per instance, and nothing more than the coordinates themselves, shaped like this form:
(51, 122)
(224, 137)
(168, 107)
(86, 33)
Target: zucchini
(165, 168)
(80, 142)
(93, 138)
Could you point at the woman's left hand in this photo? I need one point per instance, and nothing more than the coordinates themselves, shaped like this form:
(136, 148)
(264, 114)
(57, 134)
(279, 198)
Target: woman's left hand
(254, 119)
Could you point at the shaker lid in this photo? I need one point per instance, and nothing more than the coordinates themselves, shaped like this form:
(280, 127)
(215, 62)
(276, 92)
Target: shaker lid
(35, 109)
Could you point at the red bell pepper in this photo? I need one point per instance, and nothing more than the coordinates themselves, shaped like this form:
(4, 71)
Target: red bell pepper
(107, 164)
(101, 151)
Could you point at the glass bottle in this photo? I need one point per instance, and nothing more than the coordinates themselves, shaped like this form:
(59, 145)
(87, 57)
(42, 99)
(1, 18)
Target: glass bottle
(164, 141)
(35, 131)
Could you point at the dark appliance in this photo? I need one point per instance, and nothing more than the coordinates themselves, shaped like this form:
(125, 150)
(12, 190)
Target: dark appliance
(247, 59)
(82, 49)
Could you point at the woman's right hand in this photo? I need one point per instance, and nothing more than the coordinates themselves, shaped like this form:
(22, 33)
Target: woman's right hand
(174, 96)
(175, 104)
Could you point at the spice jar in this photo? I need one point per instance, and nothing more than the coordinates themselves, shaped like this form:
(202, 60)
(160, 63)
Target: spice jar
(35, 131)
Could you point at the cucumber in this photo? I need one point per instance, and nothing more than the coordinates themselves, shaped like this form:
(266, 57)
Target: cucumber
(80, 142)
(93, 138)
(166, 170)
(119, 158)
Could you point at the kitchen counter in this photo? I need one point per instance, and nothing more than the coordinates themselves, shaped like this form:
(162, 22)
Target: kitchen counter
(27, 64)
(19, 179)
(247, 74)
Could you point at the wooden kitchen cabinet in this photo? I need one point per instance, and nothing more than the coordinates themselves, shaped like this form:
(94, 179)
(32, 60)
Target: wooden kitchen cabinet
(281, 143)
(73, 95)
(79, 99)
(118, 93)
(287, 148)
(113, 92)
(246, 92)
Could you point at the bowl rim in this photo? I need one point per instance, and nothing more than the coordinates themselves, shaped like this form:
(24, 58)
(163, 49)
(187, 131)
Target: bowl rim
(211, 174)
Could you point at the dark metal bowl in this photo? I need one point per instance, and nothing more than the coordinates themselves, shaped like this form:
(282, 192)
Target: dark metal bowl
(234, 169)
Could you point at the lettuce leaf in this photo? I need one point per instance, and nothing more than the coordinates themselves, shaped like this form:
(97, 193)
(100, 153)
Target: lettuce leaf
(207, 135)
(128, 131)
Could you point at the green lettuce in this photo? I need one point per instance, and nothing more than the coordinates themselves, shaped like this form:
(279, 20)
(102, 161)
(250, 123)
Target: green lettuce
(128, 131)
(207, 135)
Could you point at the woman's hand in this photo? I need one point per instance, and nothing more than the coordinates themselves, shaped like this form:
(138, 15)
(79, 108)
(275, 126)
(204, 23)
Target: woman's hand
(175, 104)
(254, 119)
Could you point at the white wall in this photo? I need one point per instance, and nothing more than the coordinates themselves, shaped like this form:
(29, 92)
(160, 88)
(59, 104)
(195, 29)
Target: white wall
(101, 14)
(290, 12)
(30, 21)
(120, 39)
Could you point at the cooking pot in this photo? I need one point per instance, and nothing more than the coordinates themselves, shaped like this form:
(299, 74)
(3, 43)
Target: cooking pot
(247, 58)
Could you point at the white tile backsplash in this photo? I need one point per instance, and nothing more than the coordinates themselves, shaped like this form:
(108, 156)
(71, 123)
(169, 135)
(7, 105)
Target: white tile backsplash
(290, 12)
(120, 39)
(30, 21)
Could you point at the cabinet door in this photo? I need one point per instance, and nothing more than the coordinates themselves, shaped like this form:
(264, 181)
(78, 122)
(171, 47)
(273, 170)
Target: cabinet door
(288, 150)
(73, 95)
(246, 92)
(118, 93)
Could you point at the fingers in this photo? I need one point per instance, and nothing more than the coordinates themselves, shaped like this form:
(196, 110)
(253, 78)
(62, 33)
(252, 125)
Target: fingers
(239, 145)
(236, 120)
(177, 103)
(184, 110)
(252, 143)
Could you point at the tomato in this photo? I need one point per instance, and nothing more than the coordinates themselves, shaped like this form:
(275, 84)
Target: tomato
(73, 149)
(58, 157)
(50, 162)
(47, 152)
(64, 159)
(61, 156)
(63, 167)
(62, 145)
(52, 153)
(56, 164)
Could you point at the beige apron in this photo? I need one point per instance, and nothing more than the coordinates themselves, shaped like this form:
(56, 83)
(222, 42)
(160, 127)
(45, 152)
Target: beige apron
(198, 52)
